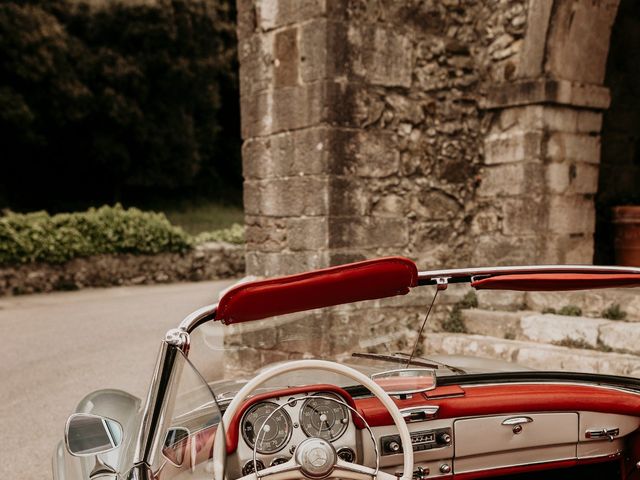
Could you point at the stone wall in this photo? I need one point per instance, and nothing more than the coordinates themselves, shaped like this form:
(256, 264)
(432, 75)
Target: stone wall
(205, 262)
(363, 126)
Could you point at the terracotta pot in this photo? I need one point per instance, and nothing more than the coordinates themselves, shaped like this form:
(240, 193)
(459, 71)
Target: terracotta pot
(626, 220)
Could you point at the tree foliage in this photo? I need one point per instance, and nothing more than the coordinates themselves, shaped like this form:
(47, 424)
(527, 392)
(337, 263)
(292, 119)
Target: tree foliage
(117, 101)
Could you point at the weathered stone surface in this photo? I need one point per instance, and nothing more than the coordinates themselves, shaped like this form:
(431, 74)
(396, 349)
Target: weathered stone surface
(550, 328)
(205, 262)
(621, 336)
(497, 324)
(533, 355)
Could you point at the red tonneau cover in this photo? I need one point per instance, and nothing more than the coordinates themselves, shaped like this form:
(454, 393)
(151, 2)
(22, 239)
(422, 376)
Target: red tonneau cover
(354, 282)
(547, 282)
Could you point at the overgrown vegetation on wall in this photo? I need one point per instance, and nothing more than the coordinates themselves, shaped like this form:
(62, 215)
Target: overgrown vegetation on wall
(117, 101)
(40, 237)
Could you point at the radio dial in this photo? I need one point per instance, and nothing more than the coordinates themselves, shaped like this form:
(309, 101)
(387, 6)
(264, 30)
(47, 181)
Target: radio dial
(444, 438)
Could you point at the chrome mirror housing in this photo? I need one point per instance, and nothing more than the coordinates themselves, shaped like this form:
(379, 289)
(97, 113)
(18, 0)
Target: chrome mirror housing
(86, 434)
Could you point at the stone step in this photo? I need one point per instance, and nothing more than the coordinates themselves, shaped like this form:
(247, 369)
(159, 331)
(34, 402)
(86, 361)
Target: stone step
(594, 333)
(593, 303)
(532, 354)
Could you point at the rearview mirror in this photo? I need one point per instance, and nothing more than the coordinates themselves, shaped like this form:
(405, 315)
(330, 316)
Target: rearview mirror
(406, 380)
(87, 434)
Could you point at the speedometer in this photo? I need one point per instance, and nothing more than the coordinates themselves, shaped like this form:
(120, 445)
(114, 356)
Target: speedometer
(324, 418)
(272, 434)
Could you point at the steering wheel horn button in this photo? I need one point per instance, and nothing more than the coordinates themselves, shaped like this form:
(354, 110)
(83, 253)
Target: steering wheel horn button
(316, 457)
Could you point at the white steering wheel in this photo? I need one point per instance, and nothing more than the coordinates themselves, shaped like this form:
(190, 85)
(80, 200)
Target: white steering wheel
(315, 458)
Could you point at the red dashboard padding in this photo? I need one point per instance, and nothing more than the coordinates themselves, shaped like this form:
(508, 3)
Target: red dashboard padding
(546, 282)
(516, 398)
(354, 282)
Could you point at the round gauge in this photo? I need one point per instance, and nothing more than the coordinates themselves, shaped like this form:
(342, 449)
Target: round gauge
(273, 435)
(324, 418)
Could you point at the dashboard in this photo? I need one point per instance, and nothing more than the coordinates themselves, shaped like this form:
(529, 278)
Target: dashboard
(471, 432)
(274, 427)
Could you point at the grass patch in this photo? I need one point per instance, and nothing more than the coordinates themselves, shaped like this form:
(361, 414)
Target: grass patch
(614, 312)
(570, 311)
(204, 217)
(573, 343)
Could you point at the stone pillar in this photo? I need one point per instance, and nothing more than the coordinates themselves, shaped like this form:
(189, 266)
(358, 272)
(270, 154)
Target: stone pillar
(305, 164)
(542, 155)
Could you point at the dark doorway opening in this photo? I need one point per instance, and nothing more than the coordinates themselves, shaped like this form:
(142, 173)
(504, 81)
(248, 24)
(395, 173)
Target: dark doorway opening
(619, 182)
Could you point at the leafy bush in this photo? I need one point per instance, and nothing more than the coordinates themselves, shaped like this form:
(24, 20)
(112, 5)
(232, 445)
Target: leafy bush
(118, 101)
(233, 234)
(614, 312)
(41, 237)
(571, 311)
(470, 300)
(454, 323)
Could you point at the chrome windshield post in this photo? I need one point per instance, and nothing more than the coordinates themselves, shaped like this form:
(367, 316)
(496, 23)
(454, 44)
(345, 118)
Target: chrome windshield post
(175, 343)
(167, 371)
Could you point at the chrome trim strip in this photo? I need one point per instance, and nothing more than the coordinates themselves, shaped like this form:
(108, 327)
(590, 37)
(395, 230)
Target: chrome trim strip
(197, 318)
(517, 421)
(581, 384)
(471, 272)
(411, 414)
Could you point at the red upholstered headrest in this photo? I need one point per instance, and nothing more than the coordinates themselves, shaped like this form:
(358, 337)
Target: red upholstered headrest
(547, 282)
(368, 280)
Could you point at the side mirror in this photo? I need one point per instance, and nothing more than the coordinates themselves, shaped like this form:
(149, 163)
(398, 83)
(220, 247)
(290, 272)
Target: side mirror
(175, 445)
(406, 380)
(87, 434)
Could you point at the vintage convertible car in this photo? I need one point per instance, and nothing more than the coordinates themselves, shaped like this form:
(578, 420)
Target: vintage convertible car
(239, 391)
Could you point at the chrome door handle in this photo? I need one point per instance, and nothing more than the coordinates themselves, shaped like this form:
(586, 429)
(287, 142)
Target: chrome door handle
(517, 421)
(603, 433)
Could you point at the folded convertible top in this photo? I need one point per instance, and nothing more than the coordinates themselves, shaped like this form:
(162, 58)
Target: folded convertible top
(354, 282)
(549, 282)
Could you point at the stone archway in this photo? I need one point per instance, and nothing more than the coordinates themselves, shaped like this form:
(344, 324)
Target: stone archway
(542, 150)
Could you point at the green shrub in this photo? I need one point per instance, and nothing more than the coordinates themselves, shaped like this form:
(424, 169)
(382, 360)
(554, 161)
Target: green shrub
(614, 312)
(41, 237)
(454, 323)
(233, 234)
(470, 300)
(571, 311)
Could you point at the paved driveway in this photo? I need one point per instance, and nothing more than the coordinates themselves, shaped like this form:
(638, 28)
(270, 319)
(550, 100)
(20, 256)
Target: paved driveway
(58, 347)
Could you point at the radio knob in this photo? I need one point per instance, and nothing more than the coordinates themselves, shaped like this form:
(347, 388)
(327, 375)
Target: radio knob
(393, 446)
(445, 468)
(444, 438)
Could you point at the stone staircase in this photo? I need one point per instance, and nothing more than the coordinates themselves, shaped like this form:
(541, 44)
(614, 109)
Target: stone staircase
(548, 341)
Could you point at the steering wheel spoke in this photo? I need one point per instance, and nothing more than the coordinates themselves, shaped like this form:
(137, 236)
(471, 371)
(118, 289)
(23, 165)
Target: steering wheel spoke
(284, 471)
(355, 471)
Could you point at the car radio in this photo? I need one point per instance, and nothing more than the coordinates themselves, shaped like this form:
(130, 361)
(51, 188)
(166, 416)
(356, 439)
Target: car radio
(423, 440)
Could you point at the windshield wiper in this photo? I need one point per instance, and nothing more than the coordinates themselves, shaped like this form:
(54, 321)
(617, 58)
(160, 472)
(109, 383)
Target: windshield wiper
(402, 358)
(445, 365)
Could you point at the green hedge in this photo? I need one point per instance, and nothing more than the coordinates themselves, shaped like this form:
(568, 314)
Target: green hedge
(41, 237)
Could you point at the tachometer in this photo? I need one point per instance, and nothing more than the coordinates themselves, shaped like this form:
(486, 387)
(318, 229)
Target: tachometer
(324, 418)
(273, 435)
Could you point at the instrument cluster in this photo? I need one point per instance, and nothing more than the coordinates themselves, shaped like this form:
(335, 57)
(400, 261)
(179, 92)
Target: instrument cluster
(274, 427)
